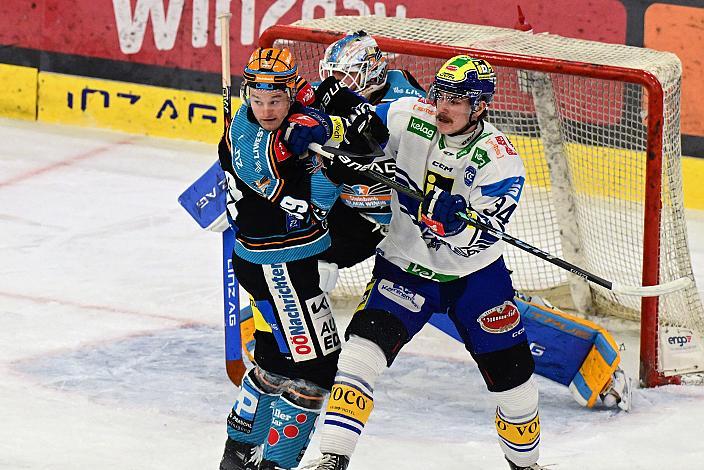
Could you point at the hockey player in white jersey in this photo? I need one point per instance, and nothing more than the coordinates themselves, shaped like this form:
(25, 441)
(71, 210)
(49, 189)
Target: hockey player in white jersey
(432, 261)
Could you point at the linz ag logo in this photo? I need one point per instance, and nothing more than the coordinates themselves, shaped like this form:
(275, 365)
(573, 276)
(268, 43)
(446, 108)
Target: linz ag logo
(422, 128)
(500, 319)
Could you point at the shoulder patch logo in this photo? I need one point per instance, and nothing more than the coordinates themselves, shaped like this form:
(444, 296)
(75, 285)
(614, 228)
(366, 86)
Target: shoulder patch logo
(422, 128)
(480, 157)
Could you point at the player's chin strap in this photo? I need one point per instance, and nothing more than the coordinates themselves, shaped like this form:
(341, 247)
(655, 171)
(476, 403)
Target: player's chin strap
(615, 287)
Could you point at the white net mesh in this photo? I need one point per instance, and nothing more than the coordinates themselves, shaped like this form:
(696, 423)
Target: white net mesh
(595, 127)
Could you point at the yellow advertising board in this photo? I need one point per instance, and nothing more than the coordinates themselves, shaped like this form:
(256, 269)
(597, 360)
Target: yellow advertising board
(18, 99)
(129, 107)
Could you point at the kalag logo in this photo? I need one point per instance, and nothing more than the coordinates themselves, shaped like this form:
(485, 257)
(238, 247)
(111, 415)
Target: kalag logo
(422, 128)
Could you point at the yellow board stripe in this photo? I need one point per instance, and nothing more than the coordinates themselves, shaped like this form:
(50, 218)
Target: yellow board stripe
(19, 97)
(139, 109)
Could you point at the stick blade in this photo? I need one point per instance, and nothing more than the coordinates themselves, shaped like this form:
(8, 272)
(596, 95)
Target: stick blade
(653, 291)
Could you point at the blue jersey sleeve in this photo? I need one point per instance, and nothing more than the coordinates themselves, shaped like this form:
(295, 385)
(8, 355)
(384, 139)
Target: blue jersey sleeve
(382, 110)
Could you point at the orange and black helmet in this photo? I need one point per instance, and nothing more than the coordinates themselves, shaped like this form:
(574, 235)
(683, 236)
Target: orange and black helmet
(270, 69)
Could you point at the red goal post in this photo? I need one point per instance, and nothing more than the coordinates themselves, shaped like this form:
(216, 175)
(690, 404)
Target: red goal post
(598, 127)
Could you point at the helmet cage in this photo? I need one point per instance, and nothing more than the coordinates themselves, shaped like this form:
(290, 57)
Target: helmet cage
(360, 61)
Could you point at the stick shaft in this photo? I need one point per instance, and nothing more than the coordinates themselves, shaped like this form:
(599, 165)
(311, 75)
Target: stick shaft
(639, 291)
(225, 59)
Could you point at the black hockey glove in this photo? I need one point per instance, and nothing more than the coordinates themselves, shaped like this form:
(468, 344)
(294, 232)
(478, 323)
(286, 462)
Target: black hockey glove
(225, 155)
(359, 143)
(364, 126)
(335, 98)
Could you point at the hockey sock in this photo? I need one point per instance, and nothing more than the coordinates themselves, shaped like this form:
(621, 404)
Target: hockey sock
(293, 422)
(518, 423)
(250, 417)
(351, 399)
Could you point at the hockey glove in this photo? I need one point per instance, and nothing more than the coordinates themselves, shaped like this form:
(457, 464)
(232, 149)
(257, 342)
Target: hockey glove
(439, 212)
(343, 169)
(305, 127)
(364, 124)
(335, 98)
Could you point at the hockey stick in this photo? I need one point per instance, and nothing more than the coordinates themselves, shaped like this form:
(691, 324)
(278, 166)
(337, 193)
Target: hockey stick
(616, 288)
(234, 364)
(226, 76)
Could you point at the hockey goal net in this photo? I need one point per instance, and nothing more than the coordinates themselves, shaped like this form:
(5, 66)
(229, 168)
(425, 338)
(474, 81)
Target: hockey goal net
(598, 128)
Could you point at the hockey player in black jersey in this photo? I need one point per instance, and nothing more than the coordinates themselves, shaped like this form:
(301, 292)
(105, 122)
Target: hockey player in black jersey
(282, 196)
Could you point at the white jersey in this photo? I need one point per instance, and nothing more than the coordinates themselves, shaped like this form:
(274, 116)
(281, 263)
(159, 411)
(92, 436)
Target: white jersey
(481, 166)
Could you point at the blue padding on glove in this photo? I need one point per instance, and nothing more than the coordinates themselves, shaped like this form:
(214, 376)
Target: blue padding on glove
(439, 212)
(306, 127)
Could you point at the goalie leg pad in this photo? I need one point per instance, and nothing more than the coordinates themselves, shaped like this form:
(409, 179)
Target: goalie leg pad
(352, 397)
(518, 424)
(250, 417)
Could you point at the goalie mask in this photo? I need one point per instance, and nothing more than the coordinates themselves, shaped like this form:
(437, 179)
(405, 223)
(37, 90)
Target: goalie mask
(359, 60)
(270, 69)
(463, 77)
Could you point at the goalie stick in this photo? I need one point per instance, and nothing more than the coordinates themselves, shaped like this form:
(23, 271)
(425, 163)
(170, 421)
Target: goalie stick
(616, 288)
(234, 364)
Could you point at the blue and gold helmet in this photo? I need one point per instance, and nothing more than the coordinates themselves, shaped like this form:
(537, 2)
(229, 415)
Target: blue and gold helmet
(463, 77)
(270, 69)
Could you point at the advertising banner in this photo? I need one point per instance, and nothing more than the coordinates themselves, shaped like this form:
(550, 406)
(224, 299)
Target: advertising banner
(185, 34)
(140, 109)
